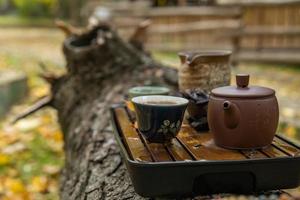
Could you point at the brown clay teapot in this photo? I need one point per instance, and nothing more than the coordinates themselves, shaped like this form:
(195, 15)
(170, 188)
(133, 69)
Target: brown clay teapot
(242, 116)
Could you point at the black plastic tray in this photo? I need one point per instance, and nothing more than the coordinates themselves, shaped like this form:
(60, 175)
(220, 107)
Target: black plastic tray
(209, 170)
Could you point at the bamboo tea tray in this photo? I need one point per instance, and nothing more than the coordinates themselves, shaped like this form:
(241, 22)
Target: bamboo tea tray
(194, 165)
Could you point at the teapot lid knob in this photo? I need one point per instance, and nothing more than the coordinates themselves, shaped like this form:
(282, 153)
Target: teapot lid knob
(242, 80)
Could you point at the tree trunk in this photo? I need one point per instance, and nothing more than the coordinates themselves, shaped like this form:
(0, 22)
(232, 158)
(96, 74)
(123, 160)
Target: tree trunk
(101, 67)
(71, 9)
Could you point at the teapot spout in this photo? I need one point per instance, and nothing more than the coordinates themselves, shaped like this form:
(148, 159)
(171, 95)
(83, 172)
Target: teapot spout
(231, 114)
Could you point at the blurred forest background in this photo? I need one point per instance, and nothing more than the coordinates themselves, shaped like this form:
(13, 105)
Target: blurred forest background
(31, 150)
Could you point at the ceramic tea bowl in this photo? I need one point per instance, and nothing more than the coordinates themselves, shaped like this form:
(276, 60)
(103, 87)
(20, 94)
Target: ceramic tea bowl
(159, 117)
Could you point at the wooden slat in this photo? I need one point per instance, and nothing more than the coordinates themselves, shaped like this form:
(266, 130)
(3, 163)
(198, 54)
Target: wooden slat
(285, 147)
(208, 25)
(201, 145)
(273, 152)
(158, 151)
(192, 46)
(194, 11)
(256, 3)
(127, 22)
(269, 56)
(131, 137)
(267, 31)
(254, 154)
(178, 152)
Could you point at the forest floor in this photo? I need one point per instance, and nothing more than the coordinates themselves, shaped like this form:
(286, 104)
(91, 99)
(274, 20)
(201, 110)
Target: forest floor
(31, 151)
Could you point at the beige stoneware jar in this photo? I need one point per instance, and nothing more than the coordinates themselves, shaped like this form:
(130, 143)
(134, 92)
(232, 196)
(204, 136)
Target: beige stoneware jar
(204, 70)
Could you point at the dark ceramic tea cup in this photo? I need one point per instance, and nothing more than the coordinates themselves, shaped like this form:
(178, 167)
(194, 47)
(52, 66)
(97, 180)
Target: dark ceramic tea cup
(159, 117)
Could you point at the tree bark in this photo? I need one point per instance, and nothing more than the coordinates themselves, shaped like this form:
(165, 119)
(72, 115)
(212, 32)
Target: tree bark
(100, 69)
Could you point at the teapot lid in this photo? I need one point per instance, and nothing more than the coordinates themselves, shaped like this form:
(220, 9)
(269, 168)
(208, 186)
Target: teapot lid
(242, 90)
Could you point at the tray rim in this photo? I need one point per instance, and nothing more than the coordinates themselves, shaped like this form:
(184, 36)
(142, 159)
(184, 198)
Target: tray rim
(116, 133)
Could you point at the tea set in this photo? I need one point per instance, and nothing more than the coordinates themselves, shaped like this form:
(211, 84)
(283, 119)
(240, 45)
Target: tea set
(241, 116)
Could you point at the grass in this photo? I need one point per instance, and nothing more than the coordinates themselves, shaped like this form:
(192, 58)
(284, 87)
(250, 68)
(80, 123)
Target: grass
(168, 58)
(15, 20)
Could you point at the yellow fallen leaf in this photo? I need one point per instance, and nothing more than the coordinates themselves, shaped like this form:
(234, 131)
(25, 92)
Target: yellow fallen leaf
(56, 146)
(57, 136)
(51, 169)
(39, 91)
(20, 196)
(26, 137)
(28, 124)
(291, 131)
(12, 172)
(2, 189)
(7, 138)
(49, 132)
(53, 186)
(288, 112)
(39, 184)
(14, 148)
(129, 105)
(47, 119)
(14, 185)
(4, 159)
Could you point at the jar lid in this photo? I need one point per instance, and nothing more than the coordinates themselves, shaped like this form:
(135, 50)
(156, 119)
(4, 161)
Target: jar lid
(242, 90)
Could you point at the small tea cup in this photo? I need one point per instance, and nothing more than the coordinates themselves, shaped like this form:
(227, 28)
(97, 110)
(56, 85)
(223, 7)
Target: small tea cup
(159, 117)
(145, 91)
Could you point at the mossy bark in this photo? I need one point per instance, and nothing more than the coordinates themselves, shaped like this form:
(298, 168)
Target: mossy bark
(100, 69)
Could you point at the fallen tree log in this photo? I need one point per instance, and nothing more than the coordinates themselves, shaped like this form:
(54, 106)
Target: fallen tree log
(100, 69)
